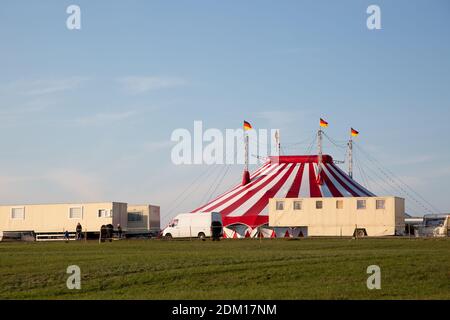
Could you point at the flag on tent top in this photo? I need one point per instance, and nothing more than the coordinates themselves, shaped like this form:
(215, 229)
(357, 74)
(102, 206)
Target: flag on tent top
(323, 123)
(354, 132)
(247, 126)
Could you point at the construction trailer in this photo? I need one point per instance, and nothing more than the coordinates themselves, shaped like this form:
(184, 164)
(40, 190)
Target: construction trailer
(143, 219)
(355, 216)
(50, 221)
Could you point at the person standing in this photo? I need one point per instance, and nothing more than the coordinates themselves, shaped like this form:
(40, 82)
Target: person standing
(66, 236)
(79, 231)
(119, 231)
(102, 235)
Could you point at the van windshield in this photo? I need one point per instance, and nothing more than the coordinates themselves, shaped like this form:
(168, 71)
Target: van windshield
(436, 222)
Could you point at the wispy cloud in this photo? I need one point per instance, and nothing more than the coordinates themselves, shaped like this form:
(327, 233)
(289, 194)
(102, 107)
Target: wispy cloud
(35, 105)
(76, 182)
(142, 84)
(104, 118)
(275, 116)
(38, 87)
(158, 145)
(62, 184)
(283, 118)
(412, 160)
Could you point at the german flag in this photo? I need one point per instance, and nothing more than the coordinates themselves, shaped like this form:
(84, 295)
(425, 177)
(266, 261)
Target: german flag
(247, 126)
(354, 133)
(323, 123)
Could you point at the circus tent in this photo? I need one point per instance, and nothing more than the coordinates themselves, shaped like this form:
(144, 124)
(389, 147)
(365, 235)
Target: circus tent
(244, 207)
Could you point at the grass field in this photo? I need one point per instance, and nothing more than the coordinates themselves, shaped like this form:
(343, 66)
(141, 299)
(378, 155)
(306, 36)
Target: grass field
(230, 269)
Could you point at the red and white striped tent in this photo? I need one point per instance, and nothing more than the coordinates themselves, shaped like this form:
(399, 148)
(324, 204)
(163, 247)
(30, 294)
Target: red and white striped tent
(244, 208)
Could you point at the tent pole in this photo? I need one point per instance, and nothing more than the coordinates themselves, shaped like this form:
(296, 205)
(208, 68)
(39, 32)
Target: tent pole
(320, 153)
(246, 174)
(350, 157)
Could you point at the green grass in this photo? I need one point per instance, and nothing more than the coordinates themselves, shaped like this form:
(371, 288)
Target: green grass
(230, 269)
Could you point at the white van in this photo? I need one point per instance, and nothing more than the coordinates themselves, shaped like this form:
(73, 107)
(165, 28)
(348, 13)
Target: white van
(199, 224)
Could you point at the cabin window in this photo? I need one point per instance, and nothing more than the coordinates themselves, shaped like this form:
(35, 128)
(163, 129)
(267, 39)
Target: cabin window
(280, 205)
(297, 205)
(76, 213)
(381, 204)
(104, 213)
(135, 216)
(339, 204)
(361, 204)
(18, 213)
(319, 204)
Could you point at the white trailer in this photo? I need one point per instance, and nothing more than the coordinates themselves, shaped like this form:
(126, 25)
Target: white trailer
(188, 225)
(339, 216)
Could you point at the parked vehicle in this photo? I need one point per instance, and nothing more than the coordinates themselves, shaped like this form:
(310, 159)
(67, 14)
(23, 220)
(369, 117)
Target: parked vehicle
(194, 225)
(435, 225)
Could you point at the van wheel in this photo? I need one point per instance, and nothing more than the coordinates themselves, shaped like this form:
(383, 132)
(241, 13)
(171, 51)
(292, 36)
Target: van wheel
(201, 236)
(168, 236)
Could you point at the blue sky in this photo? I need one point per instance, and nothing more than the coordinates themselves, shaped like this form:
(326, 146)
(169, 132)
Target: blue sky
(87, 115)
